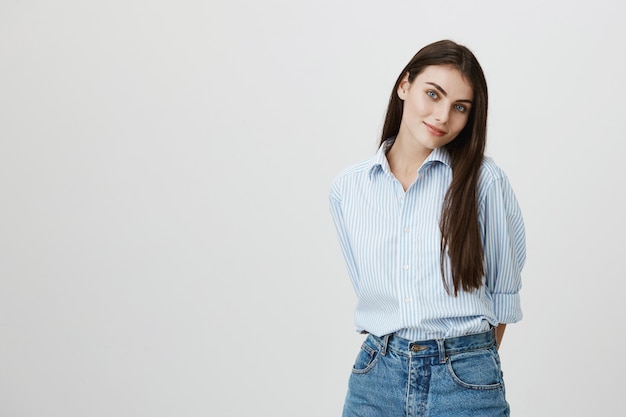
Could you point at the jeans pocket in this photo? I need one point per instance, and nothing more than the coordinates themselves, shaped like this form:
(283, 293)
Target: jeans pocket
(367, 358)
(478, 369)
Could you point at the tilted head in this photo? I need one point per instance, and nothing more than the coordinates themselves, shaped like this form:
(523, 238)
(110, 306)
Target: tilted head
(450, 54)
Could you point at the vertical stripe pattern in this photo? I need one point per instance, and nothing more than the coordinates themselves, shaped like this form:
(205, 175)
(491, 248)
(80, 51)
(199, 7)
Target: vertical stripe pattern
(390, 241)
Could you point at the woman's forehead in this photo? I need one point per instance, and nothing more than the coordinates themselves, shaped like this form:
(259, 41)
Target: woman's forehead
(450, 79)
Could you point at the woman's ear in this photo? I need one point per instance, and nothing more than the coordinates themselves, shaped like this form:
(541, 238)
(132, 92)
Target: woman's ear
(403, 87)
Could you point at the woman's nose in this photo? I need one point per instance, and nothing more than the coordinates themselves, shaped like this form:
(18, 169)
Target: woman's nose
(442, 113)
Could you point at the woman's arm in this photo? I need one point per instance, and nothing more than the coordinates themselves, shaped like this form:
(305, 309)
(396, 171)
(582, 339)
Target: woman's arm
(505, 252)
(499, 334)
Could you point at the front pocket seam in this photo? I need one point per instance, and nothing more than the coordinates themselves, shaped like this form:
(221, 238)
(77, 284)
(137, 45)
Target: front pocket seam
(456, 379)
(373, 353)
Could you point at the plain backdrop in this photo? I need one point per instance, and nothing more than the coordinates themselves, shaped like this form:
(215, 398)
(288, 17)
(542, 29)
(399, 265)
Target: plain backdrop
(166, 247)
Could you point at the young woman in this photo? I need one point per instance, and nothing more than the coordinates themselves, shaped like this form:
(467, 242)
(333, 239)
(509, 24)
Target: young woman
(433, 240)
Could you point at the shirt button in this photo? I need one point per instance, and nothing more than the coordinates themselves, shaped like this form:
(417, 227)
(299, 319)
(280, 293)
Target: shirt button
(408, 300)
(407, 230)
(405, 267)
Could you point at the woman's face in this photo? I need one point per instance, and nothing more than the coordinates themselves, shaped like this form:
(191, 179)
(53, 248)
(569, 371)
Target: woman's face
(437, 105)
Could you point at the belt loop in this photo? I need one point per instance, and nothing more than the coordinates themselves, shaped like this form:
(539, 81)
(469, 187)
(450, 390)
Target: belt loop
(383, 351)
(442, 350)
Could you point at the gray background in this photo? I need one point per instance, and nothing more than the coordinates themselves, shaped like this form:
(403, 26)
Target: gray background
(165, 242)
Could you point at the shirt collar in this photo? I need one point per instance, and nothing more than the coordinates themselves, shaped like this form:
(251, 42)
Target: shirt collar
(380, 163)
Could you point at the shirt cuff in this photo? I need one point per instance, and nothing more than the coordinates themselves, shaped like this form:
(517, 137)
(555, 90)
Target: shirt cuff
(507, 308)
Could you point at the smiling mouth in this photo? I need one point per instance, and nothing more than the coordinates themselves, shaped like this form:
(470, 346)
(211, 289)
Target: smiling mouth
(434, 130)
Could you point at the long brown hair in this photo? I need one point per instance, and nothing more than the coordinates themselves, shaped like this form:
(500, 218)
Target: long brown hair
(460, 231)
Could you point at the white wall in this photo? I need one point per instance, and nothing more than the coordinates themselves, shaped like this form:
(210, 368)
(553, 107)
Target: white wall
(166, 247)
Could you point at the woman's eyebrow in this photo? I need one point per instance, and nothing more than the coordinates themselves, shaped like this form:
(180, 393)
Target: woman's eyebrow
(442, 91)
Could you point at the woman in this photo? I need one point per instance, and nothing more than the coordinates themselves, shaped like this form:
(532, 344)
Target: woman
(433, 240)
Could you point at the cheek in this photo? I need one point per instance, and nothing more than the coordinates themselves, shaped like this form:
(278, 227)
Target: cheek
(420, 106)
(459, 123)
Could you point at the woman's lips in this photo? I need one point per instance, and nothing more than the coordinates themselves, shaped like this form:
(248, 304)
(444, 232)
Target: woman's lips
(432, 129)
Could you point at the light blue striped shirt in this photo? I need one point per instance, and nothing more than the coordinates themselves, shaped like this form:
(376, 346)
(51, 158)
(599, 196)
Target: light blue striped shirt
(390, 240)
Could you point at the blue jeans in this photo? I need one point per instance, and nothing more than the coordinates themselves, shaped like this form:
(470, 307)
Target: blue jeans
(455, 377)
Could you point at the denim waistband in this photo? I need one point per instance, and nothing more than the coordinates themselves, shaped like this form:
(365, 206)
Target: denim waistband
(435, 347)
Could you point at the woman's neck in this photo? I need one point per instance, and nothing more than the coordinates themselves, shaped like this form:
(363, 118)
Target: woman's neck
(405, 158)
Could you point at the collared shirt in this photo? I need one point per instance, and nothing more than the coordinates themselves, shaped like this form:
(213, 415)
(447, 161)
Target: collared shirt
(391, 241)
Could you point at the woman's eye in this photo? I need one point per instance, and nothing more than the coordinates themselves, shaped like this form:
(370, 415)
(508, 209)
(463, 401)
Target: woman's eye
(431, 94)
(460, 108)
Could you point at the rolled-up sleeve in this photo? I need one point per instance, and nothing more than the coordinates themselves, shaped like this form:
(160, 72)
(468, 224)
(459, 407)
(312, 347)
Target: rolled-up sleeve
(505, 249)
